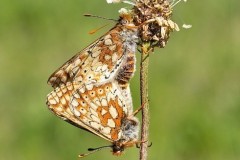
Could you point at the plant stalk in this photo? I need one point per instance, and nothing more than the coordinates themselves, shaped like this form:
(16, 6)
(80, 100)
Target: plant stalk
(144, 101)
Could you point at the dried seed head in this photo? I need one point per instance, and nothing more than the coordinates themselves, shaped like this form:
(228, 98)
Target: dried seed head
(153, 19)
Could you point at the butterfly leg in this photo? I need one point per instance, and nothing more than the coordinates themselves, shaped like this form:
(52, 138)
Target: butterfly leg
(138, 144)
(136, 111)
(139, 109)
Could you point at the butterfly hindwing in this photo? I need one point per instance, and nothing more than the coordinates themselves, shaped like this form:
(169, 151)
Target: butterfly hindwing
(98, 110)
(58, 103)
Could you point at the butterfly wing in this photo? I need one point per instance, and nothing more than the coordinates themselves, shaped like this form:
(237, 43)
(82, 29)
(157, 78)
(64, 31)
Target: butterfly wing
(99, 110)
(96, 63)
(58, 103)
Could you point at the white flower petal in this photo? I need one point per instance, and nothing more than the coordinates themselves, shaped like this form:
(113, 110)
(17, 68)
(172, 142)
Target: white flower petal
(113, 1)
(187, 26)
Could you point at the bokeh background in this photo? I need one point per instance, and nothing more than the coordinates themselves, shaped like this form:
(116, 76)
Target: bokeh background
(194, 82)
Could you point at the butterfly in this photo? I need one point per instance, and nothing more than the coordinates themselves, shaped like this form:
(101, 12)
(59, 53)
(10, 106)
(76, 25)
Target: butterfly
(91, 90)
(102, 110)
(110, 57)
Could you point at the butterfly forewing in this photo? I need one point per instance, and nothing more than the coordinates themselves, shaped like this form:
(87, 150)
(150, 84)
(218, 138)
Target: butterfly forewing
(95, 64)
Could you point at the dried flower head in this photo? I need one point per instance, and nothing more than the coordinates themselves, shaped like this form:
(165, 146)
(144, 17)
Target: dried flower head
(153, 19)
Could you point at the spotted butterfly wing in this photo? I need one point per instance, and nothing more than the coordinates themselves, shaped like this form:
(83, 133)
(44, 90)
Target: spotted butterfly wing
(102, 110)
(95, 64)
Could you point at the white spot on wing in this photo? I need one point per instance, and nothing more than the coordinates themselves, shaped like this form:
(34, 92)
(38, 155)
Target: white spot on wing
(77, 62)
(70, 87)
(120, 134)
(78, 79)
(76, 113)
(96, 53)
(53, 94)
(97, 102)
(95, 125)
(103, 111)
(114, 57)
(64, 89)
(113, 112)
(119, 102)
(107, 57)
(107, 37)
(111, 123)
(98, 69)
(75, 69)
(93, 106)
(75, 103)
(104, 67)
(89, 86)
(113, 47)
(95, 118)
(52, 101)
(59, 94)
(82, 90)
(104, 102)
(93, 112)
(59, 109)
(63, 78)
(76, 95)
(106, 130)
(63, 101)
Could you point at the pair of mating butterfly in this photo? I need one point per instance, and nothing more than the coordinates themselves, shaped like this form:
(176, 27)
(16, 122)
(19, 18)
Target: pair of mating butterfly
(91, 90)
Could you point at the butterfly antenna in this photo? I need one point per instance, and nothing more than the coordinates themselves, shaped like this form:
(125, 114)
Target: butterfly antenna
(95, 30)
(110, 19)
(93, 150)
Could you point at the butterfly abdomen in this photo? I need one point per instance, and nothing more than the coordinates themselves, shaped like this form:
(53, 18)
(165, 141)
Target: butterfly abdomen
(127, 70)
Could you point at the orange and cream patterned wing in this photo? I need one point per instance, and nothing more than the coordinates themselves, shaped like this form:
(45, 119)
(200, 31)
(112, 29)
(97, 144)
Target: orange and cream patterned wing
(99, 110)
(102, 109)
(96, 63)
(58, 103)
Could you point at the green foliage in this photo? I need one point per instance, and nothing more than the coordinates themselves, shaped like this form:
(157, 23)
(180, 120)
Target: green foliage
(194, 82)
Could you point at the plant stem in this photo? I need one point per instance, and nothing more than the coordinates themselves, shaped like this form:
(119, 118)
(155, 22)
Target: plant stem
(144, 102)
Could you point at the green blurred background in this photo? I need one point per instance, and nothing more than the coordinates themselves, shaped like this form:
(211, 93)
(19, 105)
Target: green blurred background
(194, 81)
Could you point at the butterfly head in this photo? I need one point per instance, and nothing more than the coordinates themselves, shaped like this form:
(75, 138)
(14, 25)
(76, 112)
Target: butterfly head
(119, 146)
(117, 149)
(126, 18)
(130, 128)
